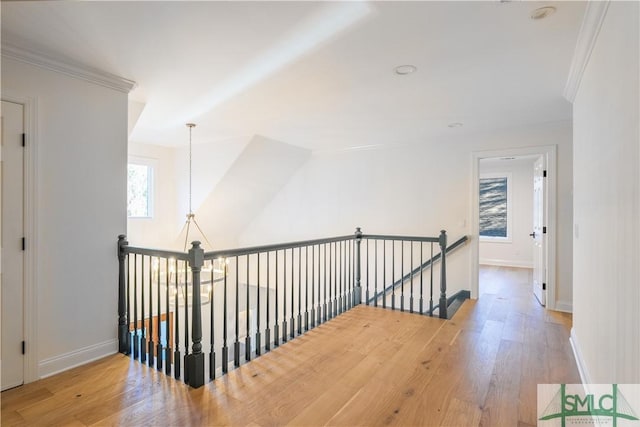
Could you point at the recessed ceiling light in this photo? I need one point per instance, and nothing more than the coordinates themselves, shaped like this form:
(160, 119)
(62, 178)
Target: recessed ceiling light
(455, 125)
(543, 12)
(403, 70)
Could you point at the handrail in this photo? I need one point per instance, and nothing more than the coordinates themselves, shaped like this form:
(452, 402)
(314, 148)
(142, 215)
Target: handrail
(162, 253)
(274, 247)
(427, 264)
(461, 294)
(401, 238)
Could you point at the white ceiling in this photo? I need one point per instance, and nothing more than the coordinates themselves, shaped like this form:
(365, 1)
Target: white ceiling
(316, 74)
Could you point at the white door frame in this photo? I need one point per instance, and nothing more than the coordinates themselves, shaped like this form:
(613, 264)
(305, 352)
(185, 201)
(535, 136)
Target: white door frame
(30, 229)
(550, 154)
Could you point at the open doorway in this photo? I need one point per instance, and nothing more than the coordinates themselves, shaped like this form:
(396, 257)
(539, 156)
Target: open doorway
(506, 213)
(512, 237)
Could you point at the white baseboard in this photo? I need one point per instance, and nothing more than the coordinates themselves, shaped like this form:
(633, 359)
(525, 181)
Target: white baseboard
(63, 362)
(565, 306)
(582, 368)
(506, 263)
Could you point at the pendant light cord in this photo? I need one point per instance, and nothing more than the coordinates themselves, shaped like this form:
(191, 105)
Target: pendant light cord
(190, 170)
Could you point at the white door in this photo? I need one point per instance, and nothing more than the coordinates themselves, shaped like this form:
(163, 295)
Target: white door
(12, 265)
(538, 234)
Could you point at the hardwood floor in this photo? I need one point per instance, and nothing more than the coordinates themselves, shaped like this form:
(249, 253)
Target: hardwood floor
(369, 366)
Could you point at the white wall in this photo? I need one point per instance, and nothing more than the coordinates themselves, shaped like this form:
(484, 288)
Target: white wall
(211, 162)
(606, 261)
(258, 173)
(162, 228)
(81, 209)
(406, 190)
(518, 250)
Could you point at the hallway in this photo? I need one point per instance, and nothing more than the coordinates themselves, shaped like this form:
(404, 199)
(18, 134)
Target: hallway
(369, 366)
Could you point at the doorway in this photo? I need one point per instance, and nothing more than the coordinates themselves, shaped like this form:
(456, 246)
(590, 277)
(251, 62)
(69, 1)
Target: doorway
(506, 213)
(505, 232)
(12, 270)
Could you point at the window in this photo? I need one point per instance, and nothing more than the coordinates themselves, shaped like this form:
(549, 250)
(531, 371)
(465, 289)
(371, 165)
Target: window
(495, 207)
(139, 191)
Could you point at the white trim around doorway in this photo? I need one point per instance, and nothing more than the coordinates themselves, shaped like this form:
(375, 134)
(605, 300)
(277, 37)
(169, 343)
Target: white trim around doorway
(550, 154)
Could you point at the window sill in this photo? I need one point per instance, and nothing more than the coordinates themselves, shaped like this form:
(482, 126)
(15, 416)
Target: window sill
(487, 239)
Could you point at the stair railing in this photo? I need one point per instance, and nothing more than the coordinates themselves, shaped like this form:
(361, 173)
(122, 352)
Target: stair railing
(255, 299)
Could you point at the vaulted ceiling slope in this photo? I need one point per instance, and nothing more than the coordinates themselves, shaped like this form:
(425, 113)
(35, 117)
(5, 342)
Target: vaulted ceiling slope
(319, 75)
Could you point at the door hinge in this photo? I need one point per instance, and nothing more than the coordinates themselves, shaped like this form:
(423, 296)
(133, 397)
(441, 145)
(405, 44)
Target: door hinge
(544, 286)
(24, 139)
(544, 230)
(24, 243)
(24, 347)
(544, 174)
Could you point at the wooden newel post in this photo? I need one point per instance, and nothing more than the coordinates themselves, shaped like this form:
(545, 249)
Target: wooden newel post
(123, 329)
(443, 275)
(195, 360)
(357, 292)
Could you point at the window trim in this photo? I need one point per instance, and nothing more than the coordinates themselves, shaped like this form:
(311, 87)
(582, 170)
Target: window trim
(151, 165)
(498, 239)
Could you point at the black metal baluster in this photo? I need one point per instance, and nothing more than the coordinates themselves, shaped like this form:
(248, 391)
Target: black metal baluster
(185, 294)
(136, 343)
(411, 279)
(401, 275)
(267, 332)
(212, 324)
(276, 327)
(143, 337)
(319, 309)
(324, 299)
(129, 335)
(332, 277)
(225, 315)
(393, 274)
(284, 296)
(167, 350)
(339, 268)
(347, 275)
(299, 290)
(349, 302)
(159, 343)
(330, 273)
(313, 287)
(247, 340)
(384, 274)
(336, 278)
(151, 344)
(367, 299)
(306, 288)
(293, 309)
(177, 358)
(421, 279)
(431, 283)
(236, 344)
(343, 275)
(375, 272)
(258, 340)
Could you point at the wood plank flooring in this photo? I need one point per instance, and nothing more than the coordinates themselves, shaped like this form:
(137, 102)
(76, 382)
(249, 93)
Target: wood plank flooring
(369, 366)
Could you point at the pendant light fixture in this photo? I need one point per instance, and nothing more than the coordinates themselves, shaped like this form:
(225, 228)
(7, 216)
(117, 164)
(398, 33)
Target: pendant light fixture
(191, 217)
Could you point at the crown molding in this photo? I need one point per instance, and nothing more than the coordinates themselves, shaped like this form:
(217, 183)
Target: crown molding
(66, 66)
(591, 24)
